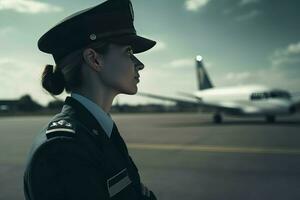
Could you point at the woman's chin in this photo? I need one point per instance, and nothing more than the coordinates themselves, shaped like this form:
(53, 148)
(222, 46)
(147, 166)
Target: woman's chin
(131, 91)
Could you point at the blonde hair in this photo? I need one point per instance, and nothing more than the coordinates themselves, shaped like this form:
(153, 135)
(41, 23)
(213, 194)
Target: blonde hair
(66, 75)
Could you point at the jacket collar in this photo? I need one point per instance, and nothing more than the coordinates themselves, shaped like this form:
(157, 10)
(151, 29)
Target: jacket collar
(103, 118)
(85, 117)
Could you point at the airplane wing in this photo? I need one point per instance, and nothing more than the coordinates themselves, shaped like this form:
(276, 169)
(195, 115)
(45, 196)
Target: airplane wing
(188, 95)
(176, 100)
(232, 109)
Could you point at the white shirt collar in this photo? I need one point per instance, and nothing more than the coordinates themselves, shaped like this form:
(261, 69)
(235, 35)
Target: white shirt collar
(101, 116)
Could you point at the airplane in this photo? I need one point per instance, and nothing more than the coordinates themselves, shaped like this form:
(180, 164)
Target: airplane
(246, 100)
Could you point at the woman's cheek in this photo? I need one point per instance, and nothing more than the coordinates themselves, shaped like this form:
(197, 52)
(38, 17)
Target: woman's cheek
(121, 77)
(127, 72)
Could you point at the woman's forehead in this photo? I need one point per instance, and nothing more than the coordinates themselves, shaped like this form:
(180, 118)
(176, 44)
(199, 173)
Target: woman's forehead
(120, 46)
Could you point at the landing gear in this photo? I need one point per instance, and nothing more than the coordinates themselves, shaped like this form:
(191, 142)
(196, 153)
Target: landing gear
(217, 118)
(270, 118)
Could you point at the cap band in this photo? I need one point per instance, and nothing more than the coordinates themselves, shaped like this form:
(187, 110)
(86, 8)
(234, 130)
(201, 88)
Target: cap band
(94, 36)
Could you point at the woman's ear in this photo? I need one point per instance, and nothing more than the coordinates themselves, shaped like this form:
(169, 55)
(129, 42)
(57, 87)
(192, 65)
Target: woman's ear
(93, 59)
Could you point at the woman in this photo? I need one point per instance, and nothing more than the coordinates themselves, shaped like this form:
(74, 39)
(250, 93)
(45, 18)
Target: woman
(80, 153)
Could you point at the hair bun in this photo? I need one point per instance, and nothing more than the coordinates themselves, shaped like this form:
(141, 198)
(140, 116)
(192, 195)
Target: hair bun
(53, 80)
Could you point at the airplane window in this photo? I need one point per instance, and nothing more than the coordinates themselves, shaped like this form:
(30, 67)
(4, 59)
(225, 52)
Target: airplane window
(280, 94)
(258, 95)
(253, 96)
(273, 94)
(266, 95)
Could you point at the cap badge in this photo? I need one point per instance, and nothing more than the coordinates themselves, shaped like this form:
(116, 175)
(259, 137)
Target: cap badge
(93, 37)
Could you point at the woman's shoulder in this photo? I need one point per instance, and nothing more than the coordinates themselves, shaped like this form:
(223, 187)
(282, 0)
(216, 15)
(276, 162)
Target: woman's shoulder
(57, 140)
(60, 128)
(63, 136)
(58, 151)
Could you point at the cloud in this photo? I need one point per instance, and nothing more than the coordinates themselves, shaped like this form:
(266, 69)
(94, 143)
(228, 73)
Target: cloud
(287, 57)
(20, 76)
(249, 15)
(240, 6)
(195, 5)
(163, 80)
(293, 49)
(272, 77)
(5, 61)
(187, 63)
(6, 30)
(182, 63)
(247, 2)
(160, 45)
(208, 65)
(237, 77)
(28, 6)
(282, 72)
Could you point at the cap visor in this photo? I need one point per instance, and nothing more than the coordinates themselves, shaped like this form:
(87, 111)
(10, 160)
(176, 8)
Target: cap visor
(138, 44)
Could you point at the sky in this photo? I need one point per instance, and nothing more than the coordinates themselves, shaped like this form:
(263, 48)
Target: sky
(242, 42)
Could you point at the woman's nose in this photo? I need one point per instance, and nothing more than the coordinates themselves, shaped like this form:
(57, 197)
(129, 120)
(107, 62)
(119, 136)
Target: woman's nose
(138, 64)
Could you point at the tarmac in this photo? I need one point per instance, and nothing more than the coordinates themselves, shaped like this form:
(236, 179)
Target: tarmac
(184, 155)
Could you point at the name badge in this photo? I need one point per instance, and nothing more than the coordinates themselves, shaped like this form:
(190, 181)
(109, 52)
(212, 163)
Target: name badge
(118, 182)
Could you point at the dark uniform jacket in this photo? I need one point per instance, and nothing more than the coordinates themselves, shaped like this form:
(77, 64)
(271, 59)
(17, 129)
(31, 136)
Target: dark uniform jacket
(73, 158)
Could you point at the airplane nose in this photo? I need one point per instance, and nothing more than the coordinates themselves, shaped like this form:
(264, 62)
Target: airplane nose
(292, 109)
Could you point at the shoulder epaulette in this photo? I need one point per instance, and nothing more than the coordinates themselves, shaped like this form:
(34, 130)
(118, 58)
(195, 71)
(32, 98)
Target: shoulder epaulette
(60, 128)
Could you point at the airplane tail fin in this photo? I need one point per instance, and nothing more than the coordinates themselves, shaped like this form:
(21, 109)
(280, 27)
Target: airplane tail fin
(203, 79)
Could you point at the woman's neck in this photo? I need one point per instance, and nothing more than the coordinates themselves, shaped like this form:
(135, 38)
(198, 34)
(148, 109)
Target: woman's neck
(102, 96)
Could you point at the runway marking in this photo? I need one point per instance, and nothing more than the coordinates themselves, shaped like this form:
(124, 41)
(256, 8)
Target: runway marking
(214, 149)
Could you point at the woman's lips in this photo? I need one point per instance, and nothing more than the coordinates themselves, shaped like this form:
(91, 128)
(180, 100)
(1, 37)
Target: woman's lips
(137, 78)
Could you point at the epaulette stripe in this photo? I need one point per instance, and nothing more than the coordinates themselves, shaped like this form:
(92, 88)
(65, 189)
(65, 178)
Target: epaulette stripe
(118, 182)
(60, 129)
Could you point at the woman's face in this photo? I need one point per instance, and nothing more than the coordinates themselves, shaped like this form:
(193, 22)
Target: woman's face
(121, 68)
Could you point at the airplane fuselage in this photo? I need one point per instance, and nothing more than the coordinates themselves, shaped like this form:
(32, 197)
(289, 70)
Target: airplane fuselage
(248, 100)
